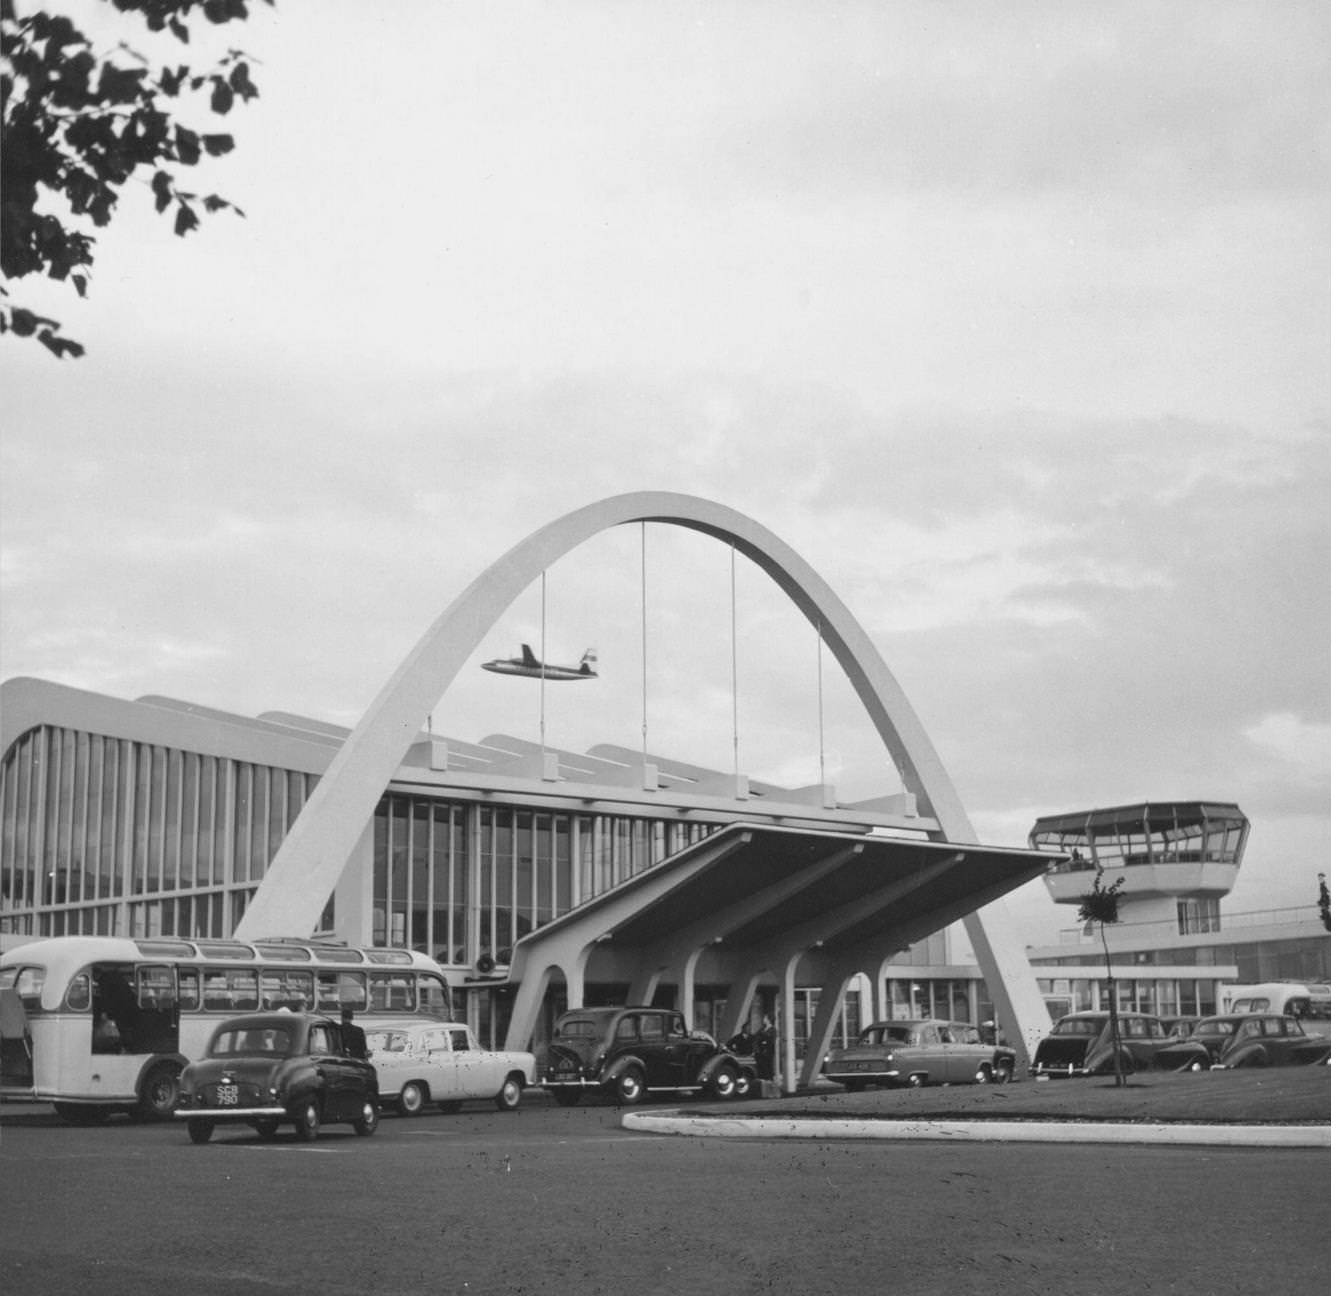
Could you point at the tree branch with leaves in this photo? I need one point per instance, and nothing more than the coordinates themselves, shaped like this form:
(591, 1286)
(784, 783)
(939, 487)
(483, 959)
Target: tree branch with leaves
(79, 124)
(1100, 905)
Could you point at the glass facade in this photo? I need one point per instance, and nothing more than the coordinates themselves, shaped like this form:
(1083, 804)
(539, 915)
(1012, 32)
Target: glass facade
(1154, 833)
(523, 868)
(105, 836)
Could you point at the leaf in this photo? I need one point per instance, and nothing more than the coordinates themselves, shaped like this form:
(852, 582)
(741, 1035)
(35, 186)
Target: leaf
(186, 220)
(58, 346)
(80, 282)
(217, 145)
(162, 190)
(223, 97)
(23, 322)
(241, 83)
(187, 146)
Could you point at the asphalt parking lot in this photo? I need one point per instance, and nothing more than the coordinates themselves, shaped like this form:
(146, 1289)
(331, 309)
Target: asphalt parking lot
(549, 1198)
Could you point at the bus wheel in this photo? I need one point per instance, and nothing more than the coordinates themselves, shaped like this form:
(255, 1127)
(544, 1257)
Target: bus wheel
(81, 1113)
(159, 1092)
(200, 1131)
(307, 1123)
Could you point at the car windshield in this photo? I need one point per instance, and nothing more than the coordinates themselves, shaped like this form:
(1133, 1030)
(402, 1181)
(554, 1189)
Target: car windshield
(252, 1041)
(386, 1041)
(578, 1028)
(1216, 1028)
(1077, 1026)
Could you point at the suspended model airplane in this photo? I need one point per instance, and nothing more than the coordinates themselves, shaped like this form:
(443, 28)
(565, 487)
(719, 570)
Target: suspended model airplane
(528, 664)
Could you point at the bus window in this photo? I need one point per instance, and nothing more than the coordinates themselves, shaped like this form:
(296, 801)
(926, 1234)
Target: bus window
(79, 995)
(26, 982)
(433, 996)
(287, 989)
(230, 989)
(338, 989)
(392, 992)
(188, 989)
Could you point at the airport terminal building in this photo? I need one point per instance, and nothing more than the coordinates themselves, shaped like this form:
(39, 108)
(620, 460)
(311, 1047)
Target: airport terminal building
(537, 878)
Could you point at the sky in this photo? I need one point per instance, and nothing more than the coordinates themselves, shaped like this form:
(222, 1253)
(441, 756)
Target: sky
(1012, 320)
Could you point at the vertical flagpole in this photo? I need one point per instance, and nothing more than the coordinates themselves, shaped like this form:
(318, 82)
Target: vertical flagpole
(643, 586)
(822, 757)
(542, 690)
(734, 669)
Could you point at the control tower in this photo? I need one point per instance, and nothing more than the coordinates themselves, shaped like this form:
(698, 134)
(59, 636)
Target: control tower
(1176, 859)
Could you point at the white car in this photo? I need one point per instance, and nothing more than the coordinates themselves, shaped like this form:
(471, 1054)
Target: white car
(422, 1062)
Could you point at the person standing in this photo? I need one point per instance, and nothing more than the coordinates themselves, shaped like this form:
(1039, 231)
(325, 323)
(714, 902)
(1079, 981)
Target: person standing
(764, 1050)
(353, 1038)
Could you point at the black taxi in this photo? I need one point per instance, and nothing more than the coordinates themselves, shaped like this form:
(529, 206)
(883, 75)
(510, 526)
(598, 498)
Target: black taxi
(264, 1069)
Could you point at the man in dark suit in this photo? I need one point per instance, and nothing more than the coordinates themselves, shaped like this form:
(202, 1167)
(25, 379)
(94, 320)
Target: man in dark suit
(353, 1038)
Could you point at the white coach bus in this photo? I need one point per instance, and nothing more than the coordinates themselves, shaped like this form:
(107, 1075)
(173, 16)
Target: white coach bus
(96, 1024)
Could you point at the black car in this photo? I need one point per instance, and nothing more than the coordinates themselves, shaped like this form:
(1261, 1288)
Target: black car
(629, 1052)
(1082, 1044)
(266, 1068)
(1258, 1040)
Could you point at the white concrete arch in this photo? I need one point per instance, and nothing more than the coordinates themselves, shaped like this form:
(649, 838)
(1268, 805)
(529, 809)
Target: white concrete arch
(315, 851)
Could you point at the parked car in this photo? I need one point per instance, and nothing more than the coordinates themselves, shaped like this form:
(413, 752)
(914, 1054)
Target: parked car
(1180, 1027)
(919, 1052)
(422, 1062)
(630, 1052)
(263, 1069)
(1083, 1044)
(1258, 1039)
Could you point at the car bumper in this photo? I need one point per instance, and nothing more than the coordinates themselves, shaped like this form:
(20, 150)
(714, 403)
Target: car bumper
(867, 1077)
(1058, 1070)
(231, 1113)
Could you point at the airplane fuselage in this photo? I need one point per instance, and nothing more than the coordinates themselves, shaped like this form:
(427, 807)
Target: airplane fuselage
(537, 672)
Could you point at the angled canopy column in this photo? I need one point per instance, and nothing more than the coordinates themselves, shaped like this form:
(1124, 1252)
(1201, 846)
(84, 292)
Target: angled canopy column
(837, 977)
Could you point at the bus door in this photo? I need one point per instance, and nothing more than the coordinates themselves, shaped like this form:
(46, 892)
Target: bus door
(135, 1008)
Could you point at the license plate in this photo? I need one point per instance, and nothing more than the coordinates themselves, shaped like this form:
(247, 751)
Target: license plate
(228, 1095)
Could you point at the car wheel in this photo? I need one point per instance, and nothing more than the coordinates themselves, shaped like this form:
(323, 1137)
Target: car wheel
(1193, 1064)
(744, 1084)
(369, 1118)
(200, 1131)
(916, 1080)
(411, 1101)
(159, 1092)
(630, 1087)
(267, 1128)
(567, 1097)
(1003, 1073)
(510, 1094)
(307, 1123)
(984, 1074)
(722, 1083)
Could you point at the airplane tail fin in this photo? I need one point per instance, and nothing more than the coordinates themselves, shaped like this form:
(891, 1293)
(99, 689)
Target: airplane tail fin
(528, 657)
(588, 663)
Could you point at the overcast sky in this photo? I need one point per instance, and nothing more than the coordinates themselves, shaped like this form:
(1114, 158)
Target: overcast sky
(1011, 319)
